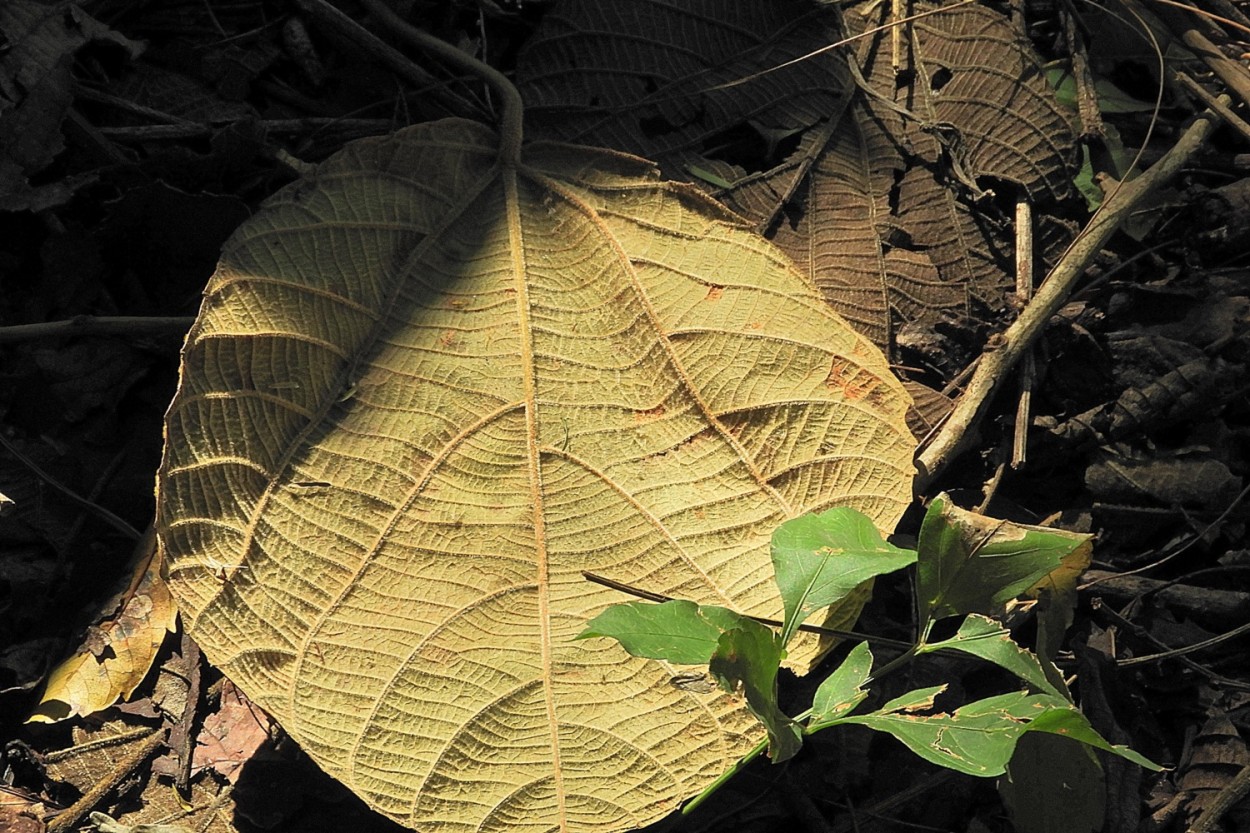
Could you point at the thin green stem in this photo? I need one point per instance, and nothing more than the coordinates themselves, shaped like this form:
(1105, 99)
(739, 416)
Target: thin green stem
(739, 765)
(511, 109)
(660, 598)
(896, 663)
(761, 747)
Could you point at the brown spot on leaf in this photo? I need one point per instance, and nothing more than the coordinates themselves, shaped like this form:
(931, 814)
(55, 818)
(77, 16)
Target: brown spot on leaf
(650, 414)
(714, 292)
(855, 383)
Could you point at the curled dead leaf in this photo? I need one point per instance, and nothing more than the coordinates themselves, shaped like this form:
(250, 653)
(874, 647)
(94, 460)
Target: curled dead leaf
(118, 650)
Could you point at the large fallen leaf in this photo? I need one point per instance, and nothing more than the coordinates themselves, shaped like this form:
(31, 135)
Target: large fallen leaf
(844, 235)
(982, 105)
(425, 391)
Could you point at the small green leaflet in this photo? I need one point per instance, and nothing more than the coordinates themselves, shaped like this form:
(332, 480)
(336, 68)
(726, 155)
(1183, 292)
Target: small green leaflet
(819, 559)
(842, 690)
(1111, 99)
(679, 631)
(918, 700)
(983, 637)
(741, 654)
(750, 656)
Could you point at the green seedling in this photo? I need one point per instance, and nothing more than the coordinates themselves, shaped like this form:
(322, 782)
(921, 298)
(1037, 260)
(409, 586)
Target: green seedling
(966, 566)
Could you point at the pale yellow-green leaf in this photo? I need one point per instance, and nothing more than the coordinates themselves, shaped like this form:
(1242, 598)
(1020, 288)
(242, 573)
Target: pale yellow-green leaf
(425, 392)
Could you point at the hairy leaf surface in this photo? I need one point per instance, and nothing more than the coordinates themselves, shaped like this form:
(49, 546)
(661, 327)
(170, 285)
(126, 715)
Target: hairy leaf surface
(425, 392)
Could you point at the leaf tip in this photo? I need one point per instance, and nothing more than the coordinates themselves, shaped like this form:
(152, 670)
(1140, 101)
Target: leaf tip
(51, 711)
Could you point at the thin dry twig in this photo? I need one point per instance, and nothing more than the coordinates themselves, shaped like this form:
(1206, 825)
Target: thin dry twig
(1172, 653)
(829, 47)
(1235, 76)
(1140, 632)
(1186, 598)
(101, 512)
(1086, 94)
(1227, 20)
(1226, 799)
(312, 124)
(1186, 546)
(332, 19)
(511, 108)
(961, 430)
(1028, 366)
(1230, 118)
(772, 623)
(99, 325)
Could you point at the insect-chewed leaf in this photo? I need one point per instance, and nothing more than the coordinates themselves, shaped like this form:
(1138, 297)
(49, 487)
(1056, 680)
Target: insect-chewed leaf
(121, 648)
(977, 739)
(426, 390)
(983, 637)
(843, 690)
(971, 563)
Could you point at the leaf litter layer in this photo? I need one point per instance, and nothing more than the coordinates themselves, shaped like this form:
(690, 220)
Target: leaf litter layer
(425, 391)
(871, 179)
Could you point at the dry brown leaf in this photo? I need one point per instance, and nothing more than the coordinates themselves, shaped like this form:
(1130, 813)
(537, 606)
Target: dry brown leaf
(930, 409)
(1216, 755)
(36, 91)
(884, 252)
(649, 78)
(97, 746)
(982, 105)
(231, 735)
(21, 812)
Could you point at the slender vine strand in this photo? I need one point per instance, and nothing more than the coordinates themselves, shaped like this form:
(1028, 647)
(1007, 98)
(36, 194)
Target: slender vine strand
(511, 108)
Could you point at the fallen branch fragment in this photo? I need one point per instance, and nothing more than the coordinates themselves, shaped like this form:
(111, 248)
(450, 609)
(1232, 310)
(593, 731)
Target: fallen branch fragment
(1235, 76)
(1230, 118)
(91, 325)
(1188, 599)
(961, 430)
(133, 759)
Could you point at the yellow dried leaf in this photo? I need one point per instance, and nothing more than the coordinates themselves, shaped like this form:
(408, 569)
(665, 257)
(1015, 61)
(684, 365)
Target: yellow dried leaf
(120, 647)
